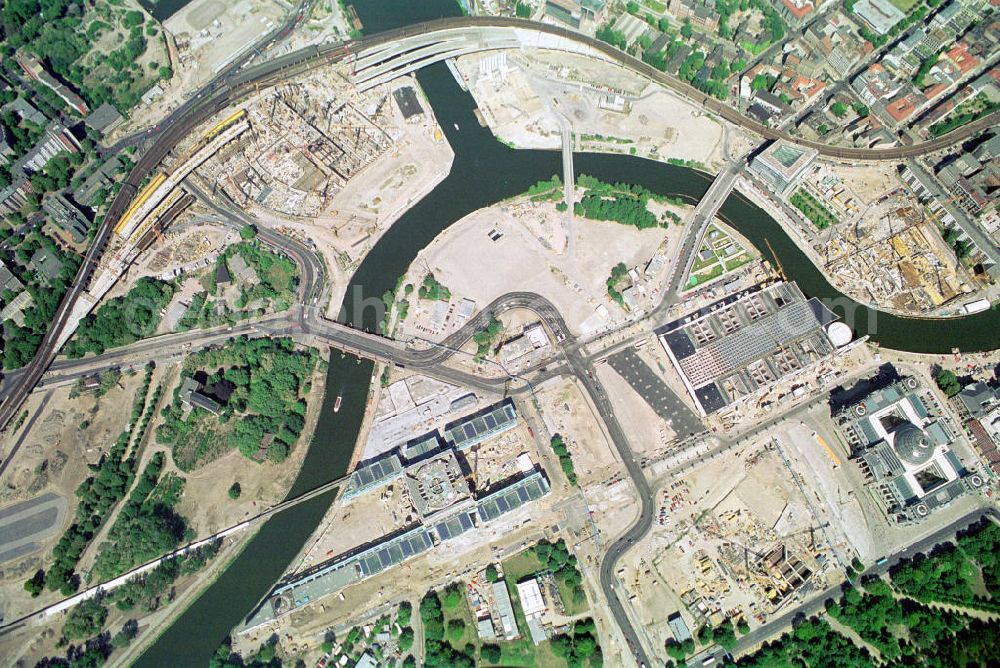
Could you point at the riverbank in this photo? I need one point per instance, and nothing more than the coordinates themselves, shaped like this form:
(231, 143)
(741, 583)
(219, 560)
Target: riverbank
(520, 99)
(796, 231)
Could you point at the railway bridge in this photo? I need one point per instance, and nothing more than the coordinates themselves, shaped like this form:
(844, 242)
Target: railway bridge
(384, 62)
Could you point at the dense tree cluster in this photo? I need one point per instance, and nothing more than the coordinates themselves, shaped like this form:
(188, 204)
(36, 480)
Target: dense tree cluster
(437, 650)
(277, 280)
(546, 190)
(122, 320)
(565, 459)
(607, 33)
(618, 274)
(63, 32)
(147, 591)
(146, 527)
(110, 480)
(268, 380)
(431, 289)
(619, 202)
(962, 247)
(85, 619)
(580, 647)
(486, 337)
(952, 574)
(948, 382)
(812, 643)
(556, 559)
(22, 341)
(276, 274)
(812, 209)
(265, 657)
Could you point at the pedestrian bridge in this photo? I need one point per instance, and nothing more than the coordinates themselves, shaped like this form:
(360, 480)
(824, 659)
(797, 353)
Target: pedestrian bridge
(384, 62)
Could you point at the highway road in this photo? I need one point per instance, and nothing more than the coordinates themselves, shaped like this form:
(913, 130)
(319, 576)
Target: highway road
(234, 83)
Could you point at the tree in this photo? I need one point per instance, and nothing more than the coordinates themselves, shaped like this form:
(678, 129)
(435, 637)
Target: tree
(725, 635)
(248, 232)
(761, 82)
(406, 639)
(235, 490)
(948, 382)
(36, 584)
(405, 613)
(491, 573)
(839, 109)
(686, 30)
(277, 452)
(127, 633)
(452, 596)
(86, 619)
(490, 653)
(456, 628)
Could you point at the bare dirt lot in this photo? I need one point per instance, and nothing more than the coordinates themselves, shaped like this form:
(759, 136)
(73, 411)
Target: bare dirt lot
(567, 412)
(472, 265)
(522, 103)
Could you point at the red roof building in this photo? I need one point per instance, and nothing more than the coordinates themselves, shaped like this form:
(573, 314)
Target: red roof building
(959, 54)
(901, 108)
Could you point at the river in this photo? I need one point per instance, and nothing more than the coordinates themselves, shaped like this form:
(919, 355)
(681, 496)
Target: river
(484, 172)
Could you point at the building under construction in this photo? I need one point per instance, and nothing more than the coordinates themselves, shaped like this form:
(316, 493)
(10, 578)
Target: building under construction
(305, 144)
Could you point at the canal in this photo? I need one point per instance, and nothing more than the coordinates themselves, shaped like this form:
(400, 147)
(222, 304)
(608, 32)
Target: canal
(484, 172)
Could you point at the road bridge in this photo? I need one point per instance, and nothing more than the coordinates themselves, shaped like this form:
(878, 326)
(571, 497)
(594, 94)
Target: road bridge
(234, 84)
(694, 232)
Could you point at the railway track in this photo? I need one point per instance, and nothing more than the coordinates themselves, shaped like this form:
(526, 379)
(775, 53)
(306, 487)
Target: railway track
(225, 90)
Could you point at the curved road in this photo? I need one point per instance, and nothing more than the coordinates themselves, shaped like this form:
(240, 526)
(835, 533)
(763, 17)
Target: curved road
(225, 89)
(229, 87)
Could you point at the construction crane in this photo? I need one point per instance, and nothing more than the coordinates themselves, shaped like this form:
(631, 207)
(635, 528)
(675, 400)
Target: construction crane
(812, 534)
(777, 262)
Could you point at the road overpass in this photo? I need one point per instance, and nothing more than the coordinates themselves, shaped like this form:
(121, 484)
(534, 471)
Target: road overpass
(694, 232)
(233, 85)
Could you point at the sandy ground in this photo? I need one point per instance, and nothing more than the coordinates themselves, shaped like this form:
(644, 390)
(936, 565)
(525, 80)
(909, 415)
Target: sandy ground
(57, 444)
(520, 105)
(355, 217)
(471, 265)
(205, 503)
(566, 411)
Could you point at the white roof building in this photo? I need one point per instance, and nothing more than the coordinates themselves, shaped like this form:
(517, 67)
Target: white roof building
(531, 598)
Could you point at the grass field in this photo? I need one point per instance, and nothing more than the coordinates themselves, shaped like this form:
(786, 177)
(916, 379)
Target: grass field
(904, 5)
(812, 209)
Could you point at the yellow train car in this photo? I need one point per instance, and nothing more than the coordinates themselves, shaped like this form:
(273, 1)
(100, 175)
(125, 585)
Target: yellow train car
(226, 122)
(150, 188)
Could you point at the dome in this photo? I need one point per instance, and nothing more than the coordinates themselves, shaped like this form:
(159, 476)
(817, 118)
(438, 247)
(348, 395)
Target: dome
(839, 333)
(912, 444)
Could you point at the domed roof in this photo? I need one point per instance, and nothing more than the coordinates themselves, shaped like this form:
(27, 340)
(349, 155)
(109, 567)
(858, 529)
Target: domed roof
(911, 444)
(839, 333)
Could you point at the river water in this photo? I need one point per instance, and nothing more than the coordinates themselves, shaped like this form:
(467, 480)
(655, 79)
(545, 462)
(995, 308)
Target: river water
(484, 172)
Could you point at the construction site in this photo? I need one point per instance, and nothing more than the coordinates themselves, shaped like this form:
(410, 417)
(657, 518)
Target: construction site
(887, 251)
(459, 487)
(306, 141)
(740, 539)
